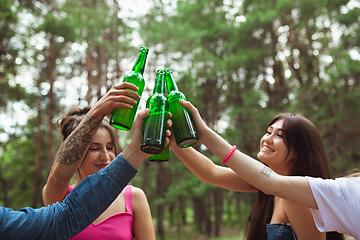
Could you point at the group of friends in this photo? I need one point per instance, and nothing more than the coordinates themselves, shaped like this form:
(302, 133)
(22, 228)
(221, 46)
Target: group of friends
(297, 195)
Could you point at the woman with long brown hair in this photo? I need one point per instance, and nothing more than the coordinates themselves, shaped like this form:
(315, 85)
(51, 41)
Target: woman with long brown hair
(290, 146)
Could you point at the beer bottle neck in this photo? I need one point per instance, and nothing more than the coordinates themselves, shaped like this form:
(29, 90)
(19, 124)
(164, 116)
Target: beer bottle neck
(139, 65)
(170, 82)
(160, 83)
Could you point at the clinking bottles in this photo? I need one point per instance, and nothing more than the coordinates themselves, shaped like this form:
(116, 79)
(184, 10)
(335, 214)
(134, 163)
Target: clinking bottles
(123, 118)
(183, 126)
(154, 126)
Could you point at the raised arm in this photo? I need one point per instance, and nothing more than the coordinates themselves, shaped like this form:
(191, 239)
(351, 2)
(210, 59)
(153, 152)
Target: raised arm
(295, 189)
(209, 172)
(83, 205)
(75, 146)
(205, 169)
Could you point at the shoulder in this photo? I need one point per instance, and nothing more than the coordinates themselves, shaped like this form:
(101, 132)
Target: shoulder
(137, 193)
(139, 200)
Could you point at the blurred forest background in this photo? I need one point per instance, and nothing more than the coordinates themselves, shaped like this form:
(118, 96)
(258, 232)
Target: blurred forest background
(239, 62)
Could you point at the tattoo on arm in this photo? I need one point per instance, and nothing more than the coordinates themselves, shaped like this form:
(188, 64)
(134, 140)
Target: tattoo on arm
(266, 171)
(75, 145)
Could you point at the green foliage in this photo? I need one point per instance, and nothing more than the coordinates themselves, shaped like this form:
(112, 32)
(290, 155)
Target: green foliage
(64, 27)
(239, 64)
(19, 186)
(8, 54)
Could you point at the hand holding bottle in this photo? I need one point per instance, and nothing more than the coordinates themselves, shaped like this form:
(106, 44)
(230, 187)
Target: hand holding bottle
(132, 152)
(121, 96)
(200, 125)
(183, 126)
(123, 118)
(155, 123)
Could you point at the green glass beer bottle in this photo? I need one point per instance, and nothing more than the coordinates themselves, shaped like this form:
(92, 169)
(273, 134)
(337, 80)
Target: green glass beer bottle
(154, 126)
(161, 157)
(123, 118)
(183, 125)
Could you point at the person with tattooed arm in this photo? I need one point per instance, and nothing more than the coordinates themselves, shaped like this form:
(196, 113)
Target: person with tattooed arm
(96, 192)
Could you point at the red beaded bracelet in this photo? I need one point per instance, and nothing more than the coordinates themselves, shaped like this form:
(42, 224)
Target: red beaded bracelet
(230, 154)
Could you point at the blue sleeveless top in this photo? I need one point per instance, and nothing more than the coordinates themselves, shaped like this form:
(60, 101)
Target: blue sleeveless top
(280, 231)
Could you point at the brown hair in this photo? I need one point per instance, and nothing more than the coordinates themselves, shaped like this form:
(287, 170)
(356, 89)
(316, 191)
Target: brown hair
(303, 139)
(72, 119)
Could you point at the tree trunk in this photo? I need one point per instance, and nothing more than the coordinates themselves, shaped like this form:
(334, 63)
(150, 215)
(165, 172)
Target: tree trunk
(51, 106)
(146, 166)
(35, 187)
(182, 209)
(100, 63)
(218, 208)
(160, 190)
(3, 181)
(238, 208)
(199, 212)
(207, 205)
(89, 69)
(172, 214)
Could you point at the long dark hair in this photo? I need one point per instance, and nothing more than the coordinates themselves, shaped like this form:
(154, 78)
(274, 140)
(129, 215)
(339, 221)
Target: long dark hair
(303, 139)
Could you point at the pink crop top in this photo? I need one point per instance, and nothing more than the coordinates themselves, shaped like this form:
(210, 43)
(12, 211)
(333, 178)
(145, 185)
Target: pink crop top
(116, 227)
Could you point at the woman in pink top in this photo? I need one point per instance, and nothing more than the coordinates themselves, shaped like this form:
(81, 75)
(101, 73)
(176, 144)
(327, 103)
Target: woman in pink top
(129, 216)
(118, 226)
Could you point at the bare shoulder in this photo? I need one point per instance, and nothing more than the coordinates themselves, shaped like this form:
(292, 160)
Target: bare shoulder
(138, 194)
(140, 202)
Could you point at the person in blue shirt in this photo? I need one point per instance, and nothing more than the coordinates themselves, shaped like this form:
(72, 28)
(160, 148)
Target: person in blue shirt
(96, 192)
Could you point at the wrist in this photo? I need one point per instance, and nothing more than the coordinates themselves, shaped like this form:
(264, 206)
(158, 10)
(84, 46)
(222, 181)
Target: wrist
(134, 155)
(96, 112)
(205, 135)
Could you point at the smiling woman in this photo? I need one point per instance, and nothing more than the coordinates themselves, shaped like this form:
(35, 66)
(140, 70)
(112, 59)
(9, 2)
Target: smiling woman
(273, 150)
(291, 146)
(102, 151)
(130, 211)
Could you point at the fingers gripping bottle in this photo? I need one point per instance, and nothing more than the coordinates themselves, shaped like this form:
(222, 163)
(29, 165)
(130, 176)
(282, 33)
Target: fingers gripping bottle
(183, 125)
(154, 126)
(123, 118)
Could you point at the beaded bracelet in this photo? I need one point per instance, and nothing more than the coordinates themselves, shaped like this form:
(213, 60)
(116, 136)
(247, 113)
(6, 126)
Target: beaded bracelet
(229, 155)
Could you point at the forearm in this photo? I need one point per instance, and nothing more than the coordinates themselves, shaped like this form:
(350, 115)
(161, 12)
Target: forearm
(211, 173)
(75, 146)
(69, 158)
(95, 193)
(134, 155)
(79, 209)
(295, 189)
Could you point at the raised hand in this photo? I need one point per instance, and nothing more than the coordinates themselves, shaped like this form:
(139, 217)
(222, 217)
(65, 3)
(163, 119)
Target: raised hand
(132, 152)
(119, 96)
(200, 125)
